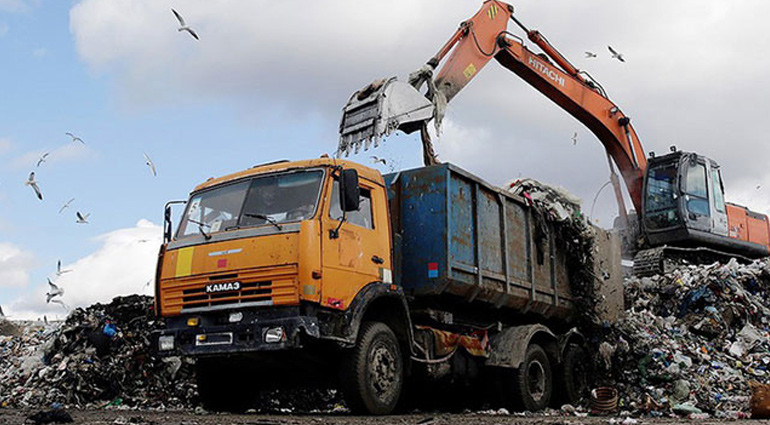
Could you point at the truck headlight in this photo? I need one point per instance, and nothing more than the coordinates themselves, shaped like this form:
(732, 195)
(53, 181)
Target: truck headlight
(166, 343)
(274, 335)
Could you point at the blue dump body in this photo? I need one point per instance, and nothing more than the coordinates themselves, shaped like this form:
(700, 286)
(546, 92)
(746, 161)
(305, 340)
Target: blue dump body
(457, 237)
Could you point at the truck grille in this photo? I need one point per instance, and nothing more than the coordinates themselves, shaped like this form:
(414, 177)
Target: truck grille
(277, 286)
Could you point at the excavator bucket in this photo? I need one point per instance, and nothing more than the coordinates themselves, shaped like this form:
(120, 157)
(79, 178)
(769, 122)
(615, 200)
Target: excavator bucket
(378, 110)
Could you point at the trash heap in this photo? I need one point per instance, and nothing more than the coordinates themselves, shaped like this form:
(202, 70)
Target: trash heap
(99, 356)
(554, 205)
(691, 341)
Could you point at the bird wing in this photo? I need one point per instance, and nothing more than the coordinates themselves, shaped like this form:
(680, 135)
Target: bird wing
(58, 266)
(53, 286)
(179, 17)
(612, 50)
(80, 217)
(37, 191)
(31, 177)
(70, 134)
(192, 33)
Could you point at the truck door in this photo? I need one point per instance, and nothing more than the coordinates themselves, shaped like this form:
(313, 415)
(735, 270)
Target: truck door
(361, 253)
(718, 210)
(697, 210)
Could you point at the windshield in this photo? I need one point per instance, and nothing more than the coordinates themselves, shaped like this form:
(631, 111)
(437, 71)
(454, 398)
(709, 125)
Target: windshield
(266, 200)
(661, 188)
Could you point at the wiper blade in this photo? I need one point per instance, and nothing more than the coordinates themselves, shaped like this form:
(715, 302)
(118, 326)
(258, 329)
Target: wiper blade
(200, 228)
(267, 218)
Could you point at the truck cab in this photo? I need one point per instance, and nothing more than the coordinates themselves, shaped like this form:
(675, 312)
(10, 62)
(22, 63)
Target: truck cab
(254, 239)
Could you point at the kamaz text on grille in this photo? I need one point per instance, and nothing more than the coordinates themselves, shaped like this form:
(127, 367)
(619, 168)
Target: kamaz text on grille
(545, 70)
(223, 287)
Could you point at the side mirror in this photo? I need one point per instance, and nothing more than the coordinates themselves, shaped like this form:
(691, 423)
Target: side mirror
(349, 193)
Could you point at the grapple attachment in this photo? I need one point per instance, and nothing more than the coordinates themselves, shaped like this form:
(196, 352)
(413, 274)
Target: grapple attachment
(378, 110)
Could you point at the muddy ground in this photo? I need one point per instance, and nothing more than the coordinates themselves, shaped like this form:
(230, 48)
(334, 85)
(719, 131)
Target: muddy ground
(134, 417)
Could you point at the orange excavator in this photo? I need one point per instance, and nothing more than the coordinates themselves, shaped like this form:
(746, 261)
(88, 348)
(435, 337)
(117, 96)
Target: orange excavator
(681, 213)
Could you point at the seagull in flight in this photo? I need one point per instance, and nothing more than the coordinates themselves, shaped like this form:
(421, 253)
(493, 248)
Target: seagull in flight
(42, 158)
(66, 205)
(59, 271)
(616, 55)
(183, 26)
(75, 138)
(150, 164)
(55, 292)
(82, 219)
(590, 55)
(32, 182)
(380, 160)
(574, 138)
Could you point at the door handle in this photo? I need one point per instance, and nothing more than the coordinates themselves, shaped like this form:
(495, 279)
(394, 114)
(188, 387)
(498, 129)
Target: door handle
(377, 260)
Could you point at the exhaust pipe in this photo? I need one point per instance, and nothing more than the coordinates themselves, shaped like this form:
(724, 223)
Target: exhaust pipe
(378, 110)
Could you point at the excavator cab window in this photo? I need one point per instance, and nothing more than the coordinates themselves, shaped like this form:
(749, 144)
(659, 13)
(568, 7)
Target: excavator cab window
(696, 189)
(717, 188)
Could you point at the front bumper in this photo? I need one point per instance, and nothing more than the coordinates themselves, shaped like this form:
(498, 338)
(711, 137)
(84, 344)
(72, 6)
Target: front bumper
(215, 334)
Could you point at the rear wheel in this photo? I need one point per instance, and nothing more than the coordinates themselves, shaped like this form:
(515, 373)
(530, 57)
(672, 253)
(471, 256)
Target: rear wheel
(573, 374)
(530, 386)
(373, 372)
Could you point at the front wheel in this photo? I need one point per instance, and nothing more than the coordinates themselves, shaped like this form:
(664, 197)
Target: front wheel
(373, 372)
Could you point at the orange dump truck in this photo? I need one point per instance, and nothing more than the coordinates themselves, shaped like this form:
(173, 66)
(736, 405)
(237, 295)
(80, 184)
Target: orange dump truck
(326, 270)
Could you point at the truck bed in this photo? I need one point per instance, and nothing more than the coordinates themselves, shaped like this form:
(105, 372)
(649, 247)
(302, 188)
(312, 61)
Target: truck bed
(459, 238)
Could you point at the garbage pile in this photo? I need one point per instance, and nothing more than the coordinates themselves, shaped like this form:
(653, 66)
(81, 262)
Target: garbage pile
(691, 341)
(554, 205)
(99, 356)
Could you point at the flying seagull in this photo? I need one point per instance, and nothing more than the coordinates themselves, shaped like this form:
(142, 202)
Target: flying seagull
(183, 26)
(380, 160)
(32, 182)
(66, 205)
(59, 271)
(150, 164)
(42, 158)
(590, 55)
(75, 138)
(60, 302)
(82, 219)
(55, 292)
(574, 138)
(616, 55)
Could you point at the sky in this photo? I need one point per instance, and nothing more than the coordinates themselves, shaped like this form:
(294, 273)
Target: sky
(267, 80)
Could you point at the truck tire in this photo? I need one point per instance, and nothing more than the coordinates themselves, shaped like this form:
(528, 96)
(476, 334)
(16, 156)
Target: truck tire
(573, 374)
(373, 371)
(530, 386)
(221, 387)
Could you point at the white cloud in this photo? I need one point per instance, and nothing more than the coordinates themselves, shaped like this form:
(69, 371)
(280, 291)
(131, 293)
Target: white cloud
(15, 265)
(691, 77)
(121, 266)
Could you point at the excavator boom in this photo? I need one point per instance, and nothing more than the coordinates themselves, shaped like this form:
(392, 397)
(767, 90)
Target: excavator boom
(376, 112)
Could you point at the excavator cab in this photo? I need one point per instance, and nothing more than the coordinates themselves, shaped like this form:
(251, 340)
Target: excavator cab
(683, 200)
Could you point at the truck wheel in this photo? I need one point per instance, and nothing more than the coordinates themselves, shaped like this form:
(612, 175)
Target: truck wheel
(221, 387)
(529, 387)
(573, 374)
(373, 372)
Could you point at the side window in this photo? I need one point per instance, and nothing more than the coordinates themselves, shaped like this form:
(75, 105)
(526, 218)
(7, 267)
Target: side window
(363, 217)
(719, 200)
(696, 189)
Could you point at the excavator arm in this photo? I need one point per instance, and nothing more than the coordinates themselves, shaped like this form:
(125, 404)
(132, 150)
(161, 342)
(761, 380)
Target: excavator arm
(380, 109)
